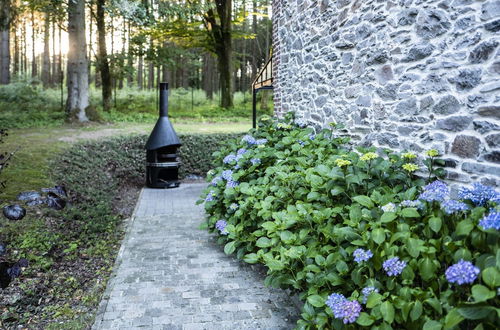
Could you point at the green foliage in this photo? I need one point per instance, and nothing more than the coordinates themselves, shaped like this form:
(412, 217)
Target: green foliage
(312, 200)
(25, 104)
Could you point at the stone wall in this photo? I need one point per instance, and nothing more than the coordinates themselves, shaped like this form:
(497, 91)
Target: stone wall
(407, 74)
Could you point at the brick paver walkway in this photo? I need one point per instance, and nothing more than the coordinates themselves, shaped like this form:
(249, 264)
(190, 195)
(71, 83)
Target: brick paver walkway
(171, 275)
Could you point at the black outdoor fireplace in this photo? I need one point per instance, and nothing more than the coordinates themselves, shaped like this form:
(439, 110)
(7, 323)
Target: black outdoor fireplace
(162, 166)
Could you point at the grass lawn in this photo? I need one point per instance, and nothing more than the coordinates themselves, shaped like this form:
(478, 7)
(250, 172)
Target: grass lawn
(28, 169)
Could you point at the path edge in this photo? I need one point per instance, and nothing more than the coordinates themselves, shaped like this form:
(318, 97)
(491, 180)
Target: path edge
(101, 309)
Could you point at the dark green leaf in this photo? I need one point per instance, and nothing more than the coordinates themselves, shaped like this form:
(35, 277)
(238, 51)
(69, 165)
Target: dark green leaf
(482, 293)
(410, 212)
(378, 235)
(229, 247)
(364, 200)
(316, 300)
(364, 320)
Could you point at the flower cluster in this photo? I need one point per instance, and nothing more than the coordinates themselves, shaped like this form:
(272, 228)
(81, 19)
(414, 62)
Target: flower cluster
(248, 139)
(344, 309)
(342, 162)
(260, 142)
(479, 194)
(312, 136)
(368, 156)
(300, 122)
(255, 161)
(241, 151)
(462, 272)
(390, 207)
(221, 226)
(409, 167)
(491, 221)
(233, 207)
(361, 255)
(284, 126)
(451, 206)
(229, 159)
(227, 175)
(408, 203)
(232, 183)
(408, 155)
(435, 191)
(394, 266)
(210, 196)
(216, 180)
(366, 292)
(432, 153)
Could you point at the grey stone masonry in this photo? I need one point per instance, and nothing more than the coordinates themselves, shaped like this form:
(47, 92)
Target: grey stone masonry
(170, 274)
(407, 74)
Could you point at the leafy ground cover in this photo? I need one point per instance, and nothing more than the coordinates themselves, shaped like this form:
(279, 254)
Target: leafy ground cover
(368, 238)
(24, 104)
(71, 252)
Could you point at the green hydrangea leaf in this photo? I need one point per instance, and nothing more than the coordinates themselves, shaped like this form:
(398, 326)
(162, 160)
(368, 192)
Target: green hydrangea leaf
(364, 200)
(316, 300)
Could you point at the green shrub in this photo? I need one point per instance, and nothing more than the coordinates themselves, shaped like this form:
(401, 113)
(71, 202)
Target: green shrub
(302, 204)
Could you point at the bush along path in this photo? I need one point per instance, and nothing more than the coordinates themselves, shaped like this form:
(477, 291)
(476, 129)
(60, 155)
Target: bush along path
(171, 275)
(368, 238)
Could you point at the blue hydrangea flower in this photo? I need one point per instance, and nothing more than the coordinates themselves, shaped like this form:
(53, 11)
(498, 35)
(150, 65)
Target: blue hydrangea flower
(390, 207)
(216, 180)
(227, 175)
(221, 226)
(490, 221)
(255, 161)
(451, 206)
(335, 301)
(229, 158)
(479, 194)
(436, 191)
(248, 139)
(232, 184)
(408, 203)
(236, 167)
(463, 272)
(233, 207)
(366, 292)
(241, 151)
(300, 122)
(210, 196)
(302, 143)
(394, 266)
(261, 141)
(350, 311)
(312, 136)
(361, 255)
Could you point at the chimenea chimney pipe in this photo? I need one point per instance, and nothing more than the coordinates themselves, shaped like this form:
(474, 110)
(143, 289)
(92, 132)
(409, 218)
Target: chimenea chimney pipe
(163, 99)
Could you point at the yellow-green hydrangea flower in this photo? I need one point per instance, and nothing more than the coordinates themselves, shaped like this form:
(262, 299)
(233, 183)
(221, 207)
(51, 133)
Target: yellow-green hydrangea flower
(369, 156)
(284, 126)
(342, 162)
(432, 153)
(410, 167)
(408, 155)
(265, 118)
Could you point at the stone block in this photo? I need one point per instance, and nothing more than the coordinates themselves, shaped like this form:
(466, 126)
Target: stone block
(419, 52)
(446, 105)
(490, 9)
(431, 23)
(482, 52)
(466, 146)
(493, 140)
(467, 79)
(454, 123)
(481, 168)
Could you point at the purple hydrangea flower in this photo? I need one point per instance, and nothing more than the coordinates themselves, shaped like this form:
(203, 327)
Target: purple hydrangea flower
(479, 194)
(210, 196)
(302, 143)
(451, 206)
(233, 207)
(436, 191)
(241, 151)
(229, 158)
(232, 184)
(227, 175)
(366, 292)
(261, 141)
(490, 221)
(221, 226)
(216, 180)
(408, 203)
(394, 266)
(248, 139)
(361, 255)
(255, 161)
(350, 311)
(462, 272)
(335, 301)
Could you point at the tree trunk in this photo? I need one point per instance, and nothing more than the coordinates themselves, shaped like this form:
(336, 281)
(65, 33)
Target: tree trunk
(77, 69)
(140, 73)
(207, 79)
(16, 68)
(34, 68)
(54, 77)
(103, 57)
(46, 52)
(5, 20)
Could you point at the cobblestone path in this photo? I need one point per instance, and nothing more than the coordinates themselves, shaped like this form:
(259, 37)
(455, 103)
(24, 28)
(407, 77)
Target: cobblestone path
(171, 275)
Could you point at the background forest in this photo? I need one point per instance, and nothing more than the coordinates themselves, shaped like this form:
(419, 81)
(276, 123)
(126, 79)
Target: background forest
(101, 60)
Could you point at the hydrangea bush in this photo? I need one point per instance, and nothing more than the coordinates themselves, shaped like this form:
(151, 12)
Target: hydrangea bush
(363, 239)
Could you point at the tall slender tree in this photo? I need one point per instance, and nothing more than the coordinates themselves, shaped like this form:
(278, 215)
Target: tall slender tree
(103, 61)
(46, 51)
(5, 20)
(77, 68)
